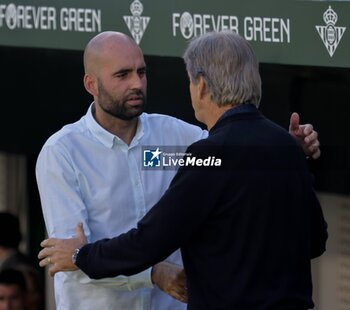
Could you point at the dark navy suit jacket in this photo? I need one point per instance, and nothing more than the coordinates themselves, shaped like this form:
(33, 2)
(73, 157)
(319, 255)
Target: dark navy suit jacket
(247, 229)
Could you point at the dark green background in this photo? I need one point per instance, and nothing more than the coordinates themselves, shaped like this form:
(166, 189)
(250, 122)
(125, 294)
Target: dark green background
(305, 47)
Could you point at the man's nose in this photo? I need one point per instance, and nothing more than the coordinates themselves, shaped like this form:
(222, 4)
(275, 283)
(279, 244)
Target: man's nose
(137, 81)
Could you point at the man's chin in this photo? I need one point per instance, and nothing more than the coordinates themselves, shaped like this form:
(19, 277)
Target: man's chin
(132, 113)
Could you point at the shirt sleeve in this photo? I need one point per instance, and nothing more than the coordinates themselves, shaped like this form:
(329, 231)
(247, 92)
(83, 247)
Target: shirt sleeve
(63, 208)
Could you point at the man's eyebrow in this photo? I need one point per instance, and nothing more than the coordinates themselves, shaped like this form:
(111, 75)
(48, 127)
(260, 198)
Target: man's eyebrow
(121, 71)
(127, 70)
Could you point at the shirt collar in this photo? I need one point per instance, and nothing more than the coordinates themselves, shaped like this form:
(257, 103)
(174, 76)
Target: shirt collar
(107, 138)
(139, 131)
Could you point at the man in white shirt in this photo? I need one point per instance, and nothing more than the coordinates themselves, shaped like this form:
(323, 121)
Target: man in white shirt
(91, 172)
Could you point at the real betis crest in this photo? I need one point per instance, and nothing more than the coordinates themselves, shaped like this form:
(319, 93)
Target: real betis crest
(136, 23)
(330, 34)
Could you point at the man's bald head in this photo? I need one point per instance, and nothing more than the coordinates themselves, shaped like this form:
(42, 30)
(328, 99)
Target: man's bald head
(115, 75)
(102, 44)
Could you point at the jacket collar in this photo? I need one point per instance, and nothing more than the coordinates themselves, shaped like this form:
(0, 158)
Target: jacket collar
(242, 111)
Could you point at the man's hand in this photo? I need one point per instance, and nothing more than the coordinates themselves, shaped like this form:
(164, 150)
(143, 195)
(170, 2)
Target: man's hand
(171, 279)
(305, 135)
(57, 253)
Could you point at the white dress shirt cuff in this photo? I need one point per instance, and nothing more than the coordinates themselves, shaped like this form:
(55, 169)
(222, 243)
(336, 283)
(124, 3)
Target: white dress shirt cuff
(141, 280)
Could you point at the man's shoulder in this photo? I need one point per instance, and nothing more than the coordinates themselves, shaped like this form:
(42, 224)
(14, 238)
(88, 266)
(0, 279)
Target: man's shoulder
(165, 122)
(279, 134)
(250, 129)
(62, 144)
(66, 133)
(170, 130)
(163, 118)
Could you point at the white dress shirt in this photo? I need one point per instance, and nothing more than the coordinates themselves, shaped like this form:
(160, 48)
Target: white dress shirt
(86, 174)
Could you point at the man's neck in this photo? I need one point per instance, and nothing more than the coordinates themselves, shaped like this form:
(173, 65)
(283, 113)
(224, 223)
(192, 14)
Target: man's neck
(123, 129)
(215, 113)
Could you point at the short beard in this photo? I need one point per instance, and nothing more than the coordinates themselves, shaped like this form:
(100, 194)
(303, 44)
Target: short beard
(122, 113)
(118, 107)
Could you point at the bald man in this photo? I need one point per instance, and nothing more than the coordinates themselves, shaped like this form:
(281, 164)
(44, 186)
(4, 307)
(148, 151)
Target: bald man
(90, 172)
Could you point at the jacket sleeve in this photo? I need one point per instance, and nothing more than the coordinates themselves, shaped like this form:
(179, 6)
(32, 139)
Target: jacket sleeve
(318, 229)
(166, 227)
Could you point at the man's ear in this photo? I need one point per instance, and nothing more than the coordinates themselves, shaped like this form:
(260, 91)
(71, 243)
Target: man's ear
(202, 88)
(90, 84)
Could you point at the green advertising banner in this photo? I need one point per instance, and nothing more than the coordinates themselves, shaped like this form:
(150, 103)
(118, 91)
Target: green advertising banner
(302, 32)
